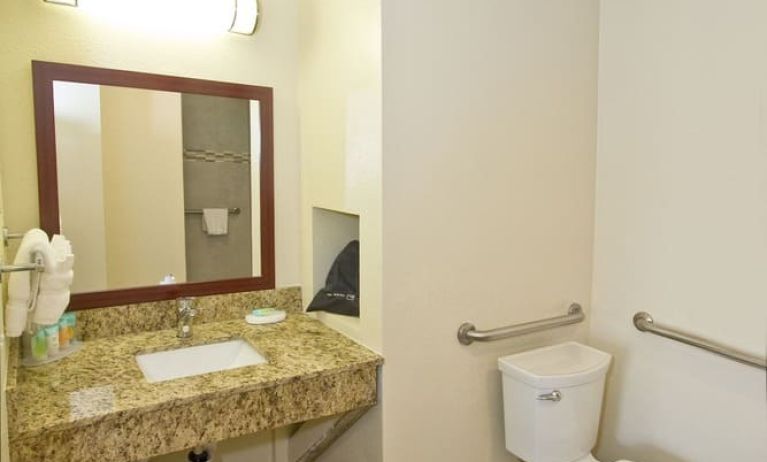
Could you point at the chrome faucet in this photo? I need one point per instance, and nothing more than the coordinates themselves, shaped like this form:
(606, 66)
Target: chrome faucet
(186, 313)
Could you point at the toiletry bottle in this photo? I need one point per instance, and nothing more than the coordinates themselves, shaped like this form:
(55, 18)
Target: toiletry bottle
(52, 338)
(64, 334)
(39, 346)
(67, 330)
(72, 323)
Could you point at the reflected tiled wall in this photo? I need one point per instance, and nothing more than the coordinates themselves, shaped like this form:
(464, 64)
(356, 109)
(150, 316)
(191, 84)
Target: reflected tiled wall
(216, 136)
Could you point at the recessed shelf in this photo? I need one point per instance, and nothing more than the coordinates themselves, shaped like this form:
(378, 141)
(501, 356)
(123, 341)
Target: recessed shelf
(331, 231)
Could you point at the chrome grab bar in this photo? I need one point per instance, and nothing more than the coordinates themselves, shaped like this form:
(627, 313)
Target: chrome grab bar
(645, 323)
(467, 333)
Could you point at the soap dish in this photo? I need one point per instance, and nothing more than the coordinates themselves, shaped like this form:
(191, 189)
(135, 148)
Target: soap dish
(276, 316)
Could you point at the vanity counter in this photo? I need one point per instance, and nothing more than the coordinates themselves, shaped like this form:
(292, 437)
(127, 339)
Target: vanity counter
(95, 405)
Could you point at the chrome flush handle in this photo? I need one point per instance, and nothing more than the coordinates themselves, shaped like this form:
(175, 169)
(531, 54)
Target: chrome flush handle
(555, 396)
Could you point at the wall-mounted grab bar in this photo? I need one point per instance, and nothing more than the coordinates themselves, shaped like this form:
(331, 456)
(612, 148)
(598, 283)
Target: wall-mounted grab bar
(232, 211)
(645, 323)
(467, 333)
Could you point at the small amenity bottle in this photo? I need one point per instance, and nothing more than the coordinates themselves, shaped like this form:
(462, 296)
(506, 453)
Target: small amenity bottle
(52, 338)
(39, 345)
(67, 330)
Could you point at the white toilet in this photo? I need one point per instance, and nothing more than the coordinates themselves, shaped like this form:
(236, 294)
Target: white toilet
(552, 400)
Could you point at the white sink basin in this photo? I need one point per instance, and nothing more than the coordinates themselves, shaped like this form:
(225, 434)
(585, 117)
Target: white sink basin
(196, 360)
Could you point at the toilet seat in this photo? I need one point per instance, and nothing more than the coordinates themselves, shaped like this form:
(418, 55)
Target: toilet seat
(587, 458)
(590, 458)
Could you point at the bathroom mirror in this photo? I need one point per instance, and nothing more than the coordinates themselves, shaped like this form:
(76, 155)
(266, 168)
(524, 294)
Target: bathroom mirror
(163, 184)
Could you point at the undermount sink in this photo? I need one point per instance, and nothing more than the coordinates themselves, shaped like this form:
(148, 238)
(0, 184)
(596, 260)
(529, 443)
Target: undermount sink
(196, 360)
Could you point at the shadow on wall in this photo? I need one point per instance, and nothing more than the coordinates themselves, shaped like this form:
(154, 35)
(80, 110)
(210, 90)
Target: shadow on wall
(613, 384)
(615, 388)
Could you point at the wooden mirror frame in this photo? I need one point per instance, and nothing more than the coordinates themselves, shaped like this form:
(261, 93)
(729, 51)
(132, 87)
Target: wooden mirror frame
(43, 76)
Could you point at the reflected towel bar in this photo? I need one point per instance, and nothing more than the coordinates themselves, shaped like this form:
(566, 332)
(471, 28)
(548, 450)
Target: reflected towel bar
(645, 323)
(9, 235)
(467, 333)
(232, 211)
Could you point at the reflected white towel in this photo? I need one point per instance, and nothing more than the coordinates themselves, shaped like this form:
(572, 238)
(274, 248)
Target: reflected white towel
(53, 298)
(19, 283)
(215, 222)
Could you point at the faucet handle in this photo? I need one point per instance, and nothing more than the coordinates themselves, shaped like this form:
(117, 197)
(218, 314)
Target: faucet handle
(186, 306)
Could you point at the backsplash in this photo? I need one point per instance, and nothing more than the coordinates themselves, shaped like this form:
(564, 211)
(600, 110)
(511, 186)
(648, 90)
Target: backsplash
(141, 317)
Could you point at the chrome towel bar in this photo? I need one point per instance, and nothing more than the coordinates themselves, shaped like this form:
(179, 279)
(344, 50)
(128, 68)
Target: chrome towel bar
(645, 323)
(16, 268)
(7, 235)
(37, 267)
(467, 333)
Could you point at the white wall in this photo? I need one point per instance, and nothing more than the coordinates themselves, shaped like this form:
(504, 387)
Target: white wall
(681, 226)
(489, 144)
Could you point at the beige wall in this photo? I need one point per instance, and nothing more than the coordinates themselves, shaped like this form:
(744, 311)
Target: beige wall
(38, 30)
(112, 145)
(489, 144)
(266, 446)
(42, 31)
(4, 454)
(143, 186)
(340, 107)
(681, 226)
(340, 104)
(77, 109)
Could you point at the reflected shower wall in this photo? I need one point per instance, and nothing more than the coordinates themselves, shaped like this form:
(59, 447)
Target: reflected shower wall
(217, 174)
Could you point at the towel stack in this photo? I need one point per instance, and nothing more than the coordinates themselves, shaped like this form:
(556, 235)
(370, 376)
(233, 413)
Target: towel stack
(55, 280)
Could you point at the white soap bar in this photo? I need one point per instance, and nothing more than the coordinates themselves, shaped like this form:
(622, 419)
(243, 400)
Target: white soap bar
(276, 316)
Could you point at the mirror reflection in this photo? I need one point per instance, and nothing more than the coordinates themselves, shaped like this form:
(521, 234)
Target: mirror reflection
(172, 186)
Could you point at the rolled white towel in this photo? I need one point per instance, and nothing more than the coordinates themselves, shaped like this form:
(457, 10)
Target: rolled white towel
(54, 295)
(61, 246)
(35, 241)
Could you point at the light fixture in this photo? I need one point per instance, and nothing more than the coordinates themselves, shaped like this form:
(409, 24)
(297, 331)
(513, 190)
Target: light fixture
(238, 16)
(245, 17)
(63, 2)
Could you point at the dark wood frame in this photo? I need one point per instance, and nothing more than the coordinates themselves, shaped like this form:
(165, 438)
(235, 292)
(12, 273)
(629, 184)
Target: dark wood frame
(45, 73)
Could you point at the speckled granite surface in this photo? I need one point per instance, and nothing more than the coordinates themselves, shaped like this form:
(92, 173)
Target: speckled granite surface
(96, 406)
(142, 317)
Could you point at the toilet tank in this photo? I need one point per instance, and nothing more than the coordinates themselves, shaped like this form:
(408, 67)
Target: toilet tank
(552, 401)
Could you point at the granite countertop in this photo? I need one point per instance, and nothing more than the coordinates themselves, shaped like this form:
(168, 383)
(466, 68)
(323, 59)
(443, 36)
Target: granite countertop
(97, 388)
